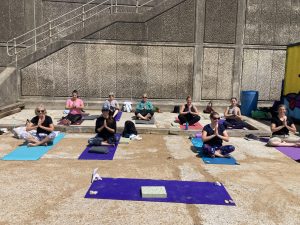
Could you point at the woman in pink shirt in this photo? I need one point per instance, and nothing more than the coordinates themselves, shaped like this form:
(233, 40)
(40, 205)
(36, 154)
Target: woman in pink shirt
(75, 105)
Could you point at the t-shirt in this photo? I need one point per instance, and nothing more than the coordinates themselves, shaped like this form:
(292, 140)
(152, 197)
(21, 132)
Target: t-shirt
(105, 134)
(216, 141)
(113, 105)
(278, 122)
(46, 123)
(144, 105)
(78, 102)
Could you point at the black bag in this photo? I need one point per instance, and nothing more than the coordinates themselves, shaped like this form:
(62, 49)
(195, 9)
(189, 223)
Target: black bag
(176, 109)
(99, 149)
(129, 128)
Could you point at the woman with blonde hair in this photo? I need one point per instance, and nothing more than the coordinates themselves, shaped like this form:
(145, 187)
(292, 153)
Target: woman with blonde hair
(43, 125)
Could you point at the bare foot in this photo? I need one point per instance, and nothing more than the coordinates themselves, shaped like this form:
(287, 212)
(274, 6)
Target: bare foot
(33, 144)
(218, 154)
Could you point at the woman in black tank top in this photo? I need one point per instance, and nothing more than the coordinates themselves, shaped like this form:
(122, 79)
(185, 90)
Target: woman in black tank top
(188, 113)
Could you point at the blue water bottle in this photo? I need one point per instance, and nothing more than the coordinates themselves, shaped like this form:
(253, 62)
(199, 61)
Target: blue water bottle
(186, 125)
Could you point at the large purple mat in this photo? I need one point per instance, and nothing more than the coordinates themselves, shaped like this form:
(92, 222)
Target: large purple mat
(118, 116)
(86, 155)
(291, 152)
(188, 192)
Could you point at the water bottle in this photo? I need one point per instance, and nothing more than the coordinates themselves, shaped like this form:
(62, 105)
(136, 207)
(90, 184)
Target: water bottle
(186, 125)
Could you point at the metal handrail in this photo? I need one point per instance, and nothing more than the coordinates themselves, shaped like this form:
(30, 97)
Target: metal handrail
(53, 28)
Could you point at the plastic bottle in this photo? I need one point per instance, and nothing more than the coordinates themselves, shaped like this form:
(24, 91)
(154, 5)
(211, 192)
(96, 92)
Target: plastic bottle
(186, 125)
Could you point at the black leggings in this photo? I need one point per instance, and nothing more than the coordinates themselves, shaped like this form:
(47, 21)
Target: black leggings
(191, 119)
(73, 118)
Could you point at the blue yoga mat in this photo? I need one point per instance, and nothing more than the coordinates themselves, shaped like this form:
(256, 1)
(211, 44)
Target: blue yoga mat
(188, 192)
(198, 143)
(26, 153)
(86, 155)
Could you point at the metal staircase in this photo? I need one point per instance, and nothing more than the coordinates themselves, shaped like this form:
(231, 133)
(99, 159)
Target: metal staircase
(74, 21)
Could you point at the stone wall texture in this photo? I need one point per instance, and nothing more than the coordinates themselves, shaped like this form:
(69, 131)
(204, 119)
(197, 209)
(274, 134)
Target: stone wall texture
(97, 69)
(211, 48)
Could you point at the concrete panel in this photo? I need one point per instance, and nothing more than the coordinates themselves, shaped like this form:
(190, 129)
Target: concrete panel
(108, 66)
(225, 73)
(155, 29)
(278, 70)
(267, 26)
(249, 69)
(264, 74)
(108, 33)
(282, 32)
(29, 14)
(61, 72)
(29, 80)
(77, 76)
(170, 24)
(210, 73)
(155, 71)
(184, 86)
(220, 21)
(17, 17)
(131, 71)
(93, 70)
(252, 22)
(4, 20)
(186, 22)
(170, 68)
(295, 21)
(4, 58)
(131, 31)
(45, 76)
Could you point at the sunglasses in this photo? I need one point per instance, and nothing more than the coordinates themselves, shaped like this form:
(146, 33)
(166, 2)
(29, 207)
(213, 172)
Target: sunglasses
(40, 111)
(216, 118)
(145, 97)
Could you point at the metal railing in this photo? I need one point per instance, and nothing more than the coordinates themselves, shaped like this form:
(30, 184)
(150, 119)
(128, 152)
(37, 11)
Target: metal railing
(59, 27)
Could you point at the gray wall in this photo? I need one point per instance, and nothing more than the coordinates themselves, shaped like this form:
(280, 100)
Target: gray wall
(9, 86)
(96, 69)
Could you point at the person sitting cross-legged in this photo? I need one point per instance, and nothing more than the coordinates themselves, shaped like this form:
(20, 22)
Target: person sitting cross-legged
(144, 109)
(44, 127)
(188, 113)
(106, 127)
(75, 105)
(281, 125)
(213, 136)
(112, 104)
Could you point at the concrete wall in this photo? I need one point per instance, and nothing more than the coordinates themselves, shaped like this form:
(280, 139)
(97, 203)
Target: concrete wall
(96, 69)
(8, 86)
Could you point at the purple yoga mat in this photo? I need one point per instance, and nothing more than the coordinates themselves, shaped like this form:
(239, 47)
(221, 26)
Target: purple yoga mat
(291, 152)
(118, 116)
(188, 192)
(86, 155)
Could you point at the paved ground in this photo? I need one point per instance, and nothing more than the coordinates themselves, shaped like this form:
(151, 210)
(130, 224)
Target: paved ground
(265, 186)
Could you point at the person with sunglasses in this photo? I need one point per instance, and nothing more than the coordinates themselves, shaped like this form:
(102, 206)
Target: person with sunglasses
(75, 105)
(112, 104)
(188, 113)
(44, 127)
(213, 135)
(144, 109)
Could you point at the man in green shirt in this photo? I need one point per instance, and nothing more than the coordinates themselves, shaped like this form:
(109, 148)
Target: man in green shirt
(144, 109)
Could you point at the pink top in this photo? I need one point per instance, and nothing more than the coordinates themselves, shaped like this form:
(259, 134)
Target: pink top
(78, 103)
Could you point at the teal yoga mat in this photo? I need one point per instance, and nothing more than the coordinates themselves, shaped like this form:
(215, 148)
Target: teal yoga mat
(25, 153)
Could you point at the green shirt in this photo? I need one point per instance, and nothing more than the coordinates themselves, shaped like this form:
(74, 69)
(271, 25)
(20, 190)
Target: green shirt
(144, 105)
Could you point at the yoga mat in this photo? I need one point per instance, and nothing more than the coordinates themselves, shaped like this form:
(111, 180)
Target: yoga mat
(90, 117)
(216, 160)
(77, 123)
(152, 121)
(118, 116)
(188, 192)
(292, 152)
(197, 142)
(195, 126)
(86, 155)
(25, 153)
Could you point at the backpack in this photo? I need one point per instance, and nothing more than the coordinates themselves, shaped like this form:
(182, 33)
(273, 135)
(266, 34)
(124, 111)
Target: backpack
(208, 108)
(129, 128)
(176, 109)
